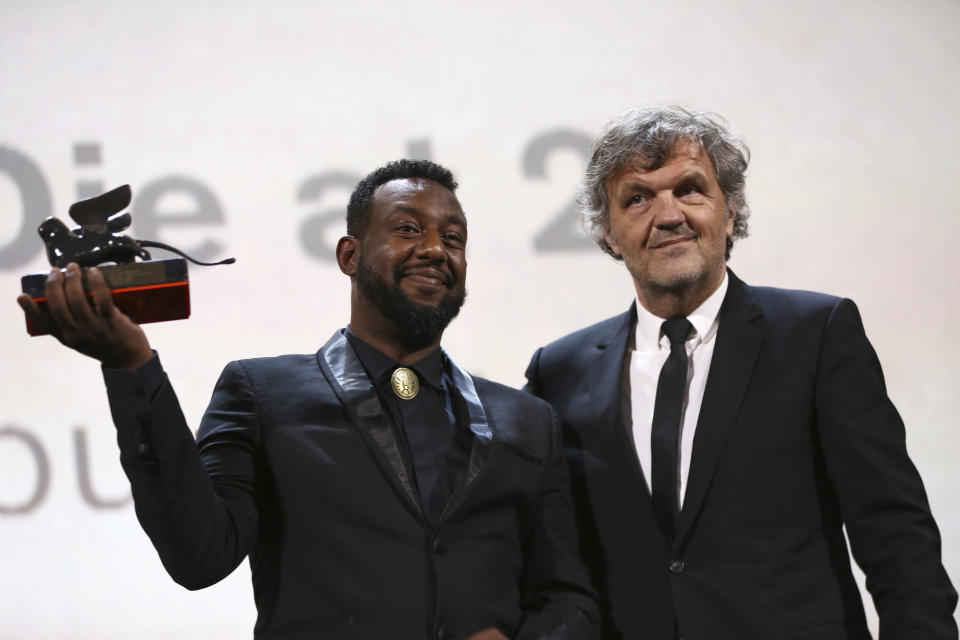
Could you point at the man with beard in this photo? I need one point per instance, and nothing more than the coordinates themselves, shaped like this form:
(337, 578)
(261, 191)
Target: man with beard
(721, 436)
(379, 490)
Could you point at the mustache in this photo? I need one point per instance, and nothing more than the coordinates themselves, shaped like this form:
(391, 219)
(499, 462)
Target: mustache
(428, 269)
(658, 237)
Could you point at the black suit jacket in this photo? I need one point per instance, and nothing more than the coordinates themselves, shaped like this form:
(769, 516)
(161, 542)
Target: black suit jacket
(796, 439)
(296, 466)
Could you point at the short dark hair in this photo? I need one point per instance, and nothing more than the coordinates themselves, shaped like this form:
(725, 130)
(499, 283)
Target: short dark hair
(361, 200)
(650, 135)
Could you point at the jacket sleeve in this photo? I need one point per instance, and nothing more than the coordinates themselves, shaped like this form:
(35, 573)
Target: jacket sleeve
(557, 599)
(195, 500)
(892, 533)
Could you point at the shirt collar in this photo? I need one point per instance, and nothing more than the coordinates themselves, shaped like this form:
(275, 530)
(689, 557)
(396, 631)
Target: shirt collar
(379, 365)
(705, 320)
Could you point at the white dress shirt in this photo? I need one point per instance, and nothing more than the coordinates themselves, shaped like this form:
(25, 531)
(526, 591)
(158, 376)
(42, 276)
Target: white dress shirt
(651, 349)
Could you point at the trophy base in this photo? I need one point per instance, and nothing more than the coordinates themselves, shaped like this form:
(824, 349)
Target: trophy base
(149, 291)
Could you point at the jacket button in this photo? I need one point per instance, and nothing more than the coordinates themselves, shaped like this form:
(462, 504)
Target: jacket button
(442, 633)
(677, 566)
(438, 546)
(143, 446)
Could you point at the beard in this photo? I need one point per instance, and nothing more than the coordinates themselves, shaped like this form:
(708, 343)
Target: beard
(699, 266)
(418, 324)
(673, 281)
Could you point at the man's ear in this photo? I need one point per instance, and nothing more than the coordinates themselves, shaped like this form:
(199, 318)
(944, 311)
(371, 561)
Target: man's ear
(731, 218)
(348, 255)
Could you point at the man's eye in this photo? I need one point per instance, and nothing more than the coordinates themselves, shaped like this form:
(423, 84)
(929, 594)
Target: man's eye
(406, 228)
(637, 199)
(454, 239)
(689, 189)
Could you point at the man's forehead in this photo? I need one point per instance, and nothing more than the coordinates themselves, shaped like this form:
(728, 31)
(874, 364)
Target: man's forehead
(410, 188)
(404, 186)
(401, 193)
(689, 153)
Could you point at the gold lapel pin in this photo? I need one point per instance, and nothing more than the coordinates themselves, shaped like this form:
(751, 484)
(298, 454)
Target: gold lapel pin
(405, 383)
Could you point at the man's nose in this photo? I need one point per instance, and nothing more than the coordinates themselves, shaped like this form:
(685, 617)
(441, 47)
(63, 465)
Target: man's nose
(431, 245)
(668, 212)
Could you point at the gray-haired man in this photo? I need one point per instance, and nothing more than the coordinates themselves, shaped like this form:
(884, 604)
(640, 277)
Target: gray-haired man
(721, 435)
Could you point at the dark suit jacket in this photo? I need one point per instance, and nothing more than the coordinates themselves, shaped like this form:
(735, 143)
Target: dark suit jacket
(296, 466)
(796, 439)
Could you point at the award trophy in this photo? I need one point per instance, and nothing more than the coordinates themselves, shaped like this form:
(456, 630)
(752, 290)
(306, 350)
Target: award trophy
(147, 291)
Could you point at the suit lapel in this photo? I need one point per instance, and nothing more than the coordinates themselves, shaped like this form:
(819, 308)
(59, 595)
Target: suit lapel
(608, 389)
(483, 435)
(605, 387)
(738, 343)
(350, 382)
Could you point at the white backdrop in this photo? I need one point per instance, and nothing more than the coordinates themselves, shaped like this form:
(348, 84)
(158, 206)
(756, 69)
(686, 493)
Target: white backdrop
(245, 126)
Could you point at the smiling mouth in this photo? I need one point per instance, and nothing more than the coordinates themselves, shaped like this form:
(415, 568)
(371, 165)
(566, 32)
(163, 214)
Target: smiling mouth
(427, 277)
(672, 242)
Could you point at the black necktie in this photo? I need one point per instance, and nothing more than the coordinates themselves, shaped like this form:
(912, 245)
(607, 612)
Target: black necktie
(667, 417)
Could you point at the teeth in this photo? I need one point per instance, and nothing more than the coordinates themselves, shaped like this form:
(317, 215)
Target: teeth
(429, 276)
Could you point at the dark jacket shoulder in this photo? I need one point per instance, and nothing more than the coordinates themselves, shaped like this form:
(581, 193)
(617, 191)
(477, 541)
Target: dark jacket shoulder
(274, 370)
(523, 423)
(792, 302)
(495, 392)
(575, 349)
(513, 408)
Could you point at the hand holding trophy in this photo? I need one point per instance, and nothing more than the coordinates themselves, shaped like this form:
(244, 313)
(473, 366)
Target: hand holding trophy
(97, 311)
(87, 322)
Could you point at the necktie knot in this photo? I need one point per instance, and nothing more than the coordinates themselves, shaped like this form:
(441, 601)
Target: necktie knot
(677, 330)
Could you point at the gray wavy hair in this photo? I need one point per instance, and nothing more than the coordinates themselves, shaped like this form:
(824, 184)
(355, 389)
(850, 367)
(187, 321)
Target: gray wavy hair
(650, 134)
